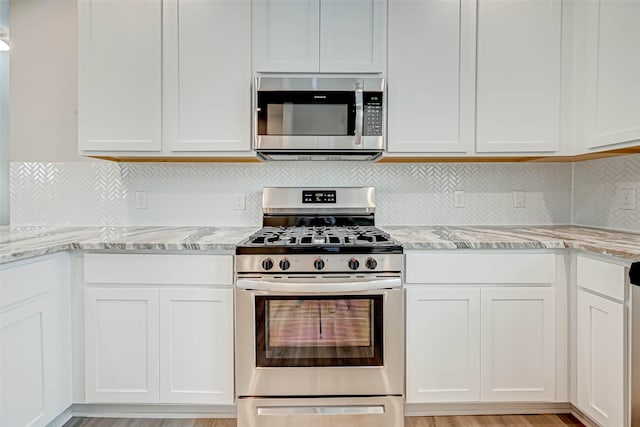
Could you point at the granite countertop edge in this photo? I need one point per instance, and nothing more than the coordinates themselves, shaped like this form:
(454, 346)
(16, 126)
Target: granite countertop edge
(18, 243)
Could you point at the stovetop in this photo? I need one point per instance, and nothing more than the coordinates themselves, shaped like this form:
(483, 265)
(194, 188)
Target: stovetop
(323, 239)
(291, 236)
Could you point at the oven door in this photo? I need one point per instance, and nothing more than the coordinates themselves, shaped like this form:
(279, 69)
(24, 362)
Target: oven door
(320, 336)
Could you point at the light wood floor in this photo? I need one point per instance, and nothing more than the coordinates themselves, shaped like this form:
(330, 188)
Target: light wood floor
(458, 421)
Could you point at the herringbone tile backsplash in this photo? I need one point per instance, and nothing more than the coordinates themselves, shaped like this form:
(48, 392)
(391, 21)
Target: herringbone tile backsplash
(597, 190)
(202, 193)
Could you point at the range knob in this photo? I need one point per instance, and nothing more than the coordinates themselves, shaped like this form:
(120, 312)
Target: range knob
(267, 263)
(284, 264)
(371, 263)
(318, 264)
(354, 264)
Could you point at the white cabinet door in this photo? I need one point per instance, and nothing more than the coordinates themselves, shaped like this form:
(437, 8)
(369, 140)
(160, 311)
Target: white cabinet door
(35, 341)
(613, 85)
(600, 357)
(121, 345)
(518, 75)
(443, 345)
(196, 346)
(431, 76)
(120, 75)
(286, 35)
(207, 72)
(353, 36)
(23, 364)
(518, 344)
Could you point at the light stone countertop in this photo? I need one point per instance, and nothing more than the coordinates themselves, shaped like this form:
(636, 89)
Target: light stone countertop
(26, 242)
(596, 240)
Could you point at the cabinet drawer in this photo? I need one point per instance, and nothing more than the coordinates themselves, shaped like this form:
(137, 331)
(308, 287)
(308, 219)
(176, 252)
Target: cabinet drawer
(493, 268)
(27, 280)
(602, 277)
(159, 269)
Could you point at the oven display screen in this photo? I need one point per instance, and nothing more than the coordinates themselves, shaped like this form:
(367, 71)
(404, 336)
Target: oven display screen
(318, 196)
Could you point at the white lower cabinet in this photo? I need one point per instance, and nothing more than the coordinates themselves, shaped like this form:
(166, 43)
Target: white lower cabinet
(196, 346)
(518, 344)
(472, 344)
(35, 341)
(443, 345)
(158, 339)
(483, 333)
(121, 345)
(600, 346)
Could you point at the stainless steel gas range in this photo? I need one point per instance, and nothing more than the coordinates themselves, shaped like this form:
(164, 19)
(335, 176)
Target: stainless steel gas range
(319, 325)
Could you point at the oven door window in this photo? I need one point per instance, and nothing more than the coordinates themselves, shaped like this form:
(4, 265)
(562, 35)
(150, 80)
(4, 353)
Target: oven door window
(306, 113)
(319, 331)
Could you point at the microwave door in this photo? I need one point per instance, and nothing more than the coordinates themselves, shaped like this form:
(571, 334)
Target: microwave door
(307, 119)
(306, 113)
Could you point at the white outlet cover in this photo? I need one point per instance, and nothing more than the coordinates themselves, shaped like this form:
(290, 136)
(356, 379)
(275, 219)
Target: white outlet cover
(141, 200)
(627, 199)
(518, 199)
(239, 203)
(458, 199)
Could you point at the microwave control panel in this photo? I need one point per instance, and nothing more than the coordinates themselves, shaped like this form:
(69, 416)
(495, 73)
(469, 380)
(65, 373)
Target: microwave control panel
(372, 120)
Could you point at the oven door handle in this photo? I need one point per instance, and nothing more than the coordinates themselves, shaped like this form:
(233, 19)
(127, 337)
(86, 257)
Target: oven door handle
(298, 287)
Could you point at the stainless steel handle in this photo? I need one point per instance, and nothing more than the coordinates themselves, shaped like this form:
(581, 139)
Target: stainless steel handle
(320, 410)
(359, 114)
(300, 288)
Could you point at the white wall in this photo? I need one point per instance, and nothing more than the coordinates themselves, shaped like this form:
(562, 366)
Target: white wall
(43, 123)
(4, 120)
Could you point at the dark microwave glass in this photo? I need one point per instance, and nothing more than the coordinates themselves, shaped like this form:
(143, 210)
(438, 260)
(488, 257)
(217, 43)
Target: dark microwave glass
(306, 113)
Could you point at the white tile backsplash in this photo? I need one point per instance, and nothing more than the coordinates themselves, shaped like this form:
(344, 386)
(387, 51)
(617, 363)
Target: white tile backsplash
(202, 193)
(597, 185)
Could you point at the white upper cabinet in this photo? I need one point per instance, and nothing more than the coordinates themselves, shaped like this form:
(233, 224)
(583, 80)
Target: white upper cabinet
(207, 75)
(431, 76)
(319, 36)
(518, 76)
(612, 46)
(164, 77)
(352, 36)
(286, 35)
(120, 75)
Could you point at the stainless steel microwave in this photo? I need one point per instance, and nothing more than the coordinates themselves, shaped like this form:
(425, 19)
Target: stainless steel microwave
(319, 118)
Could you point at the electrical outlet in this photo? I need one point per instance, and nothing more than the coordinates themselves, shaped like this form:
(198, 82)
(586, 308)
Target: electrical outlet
(458, 199)
(239, 202)
(141, 200)
(628, 198)
(518, 199)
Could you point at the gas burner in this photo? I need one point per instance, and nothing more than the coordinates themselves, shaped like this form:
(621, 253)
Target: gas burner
(342, 224)
(336, 236)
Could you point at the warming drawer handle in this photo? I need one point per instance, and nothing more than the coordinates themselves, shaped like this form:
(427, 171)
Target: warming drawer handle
(298, 287)
(320, 410)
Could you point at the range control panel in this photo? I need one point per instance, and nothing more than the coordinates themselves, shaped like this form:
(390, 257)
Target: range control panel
(372, 121)
(319, 196)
